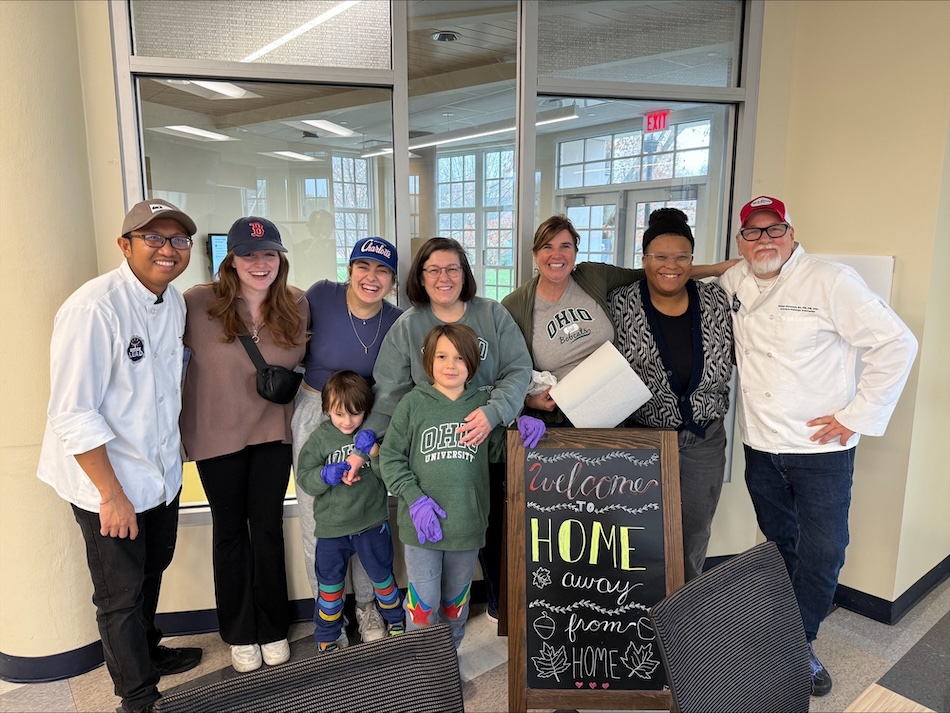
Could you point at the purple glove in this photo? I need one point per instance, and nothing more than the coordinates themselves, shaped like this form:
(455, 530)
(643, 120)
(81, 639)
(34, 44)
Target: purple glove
(425, 514)
(333, 473)
(364, 441)
(531, 429)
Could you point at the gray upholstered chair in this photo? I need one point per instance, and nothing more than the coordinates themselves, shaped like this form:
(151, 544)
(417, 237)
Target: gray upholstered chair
(417, 671)
(732, 639)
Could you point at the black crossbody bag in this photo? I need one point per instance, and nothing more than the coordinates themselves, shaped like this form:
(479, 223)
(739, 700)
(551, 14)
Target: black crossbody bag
(274, 383)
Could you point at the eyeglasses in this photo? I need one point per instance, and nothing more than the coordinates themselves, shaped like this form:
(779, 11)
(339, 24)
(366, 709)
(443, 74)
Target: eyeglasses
(434, 272)
(773, 231)
(154, 240)
(663, 258)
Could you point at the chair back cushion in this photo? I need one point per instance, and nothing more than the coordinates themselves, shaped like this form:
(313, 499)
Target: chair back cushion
(417, 671)
(732, 639)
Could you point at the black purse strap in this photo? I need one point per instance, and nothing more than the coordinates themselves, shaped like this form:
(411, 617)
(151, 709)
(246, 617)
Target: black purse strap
(252, 351)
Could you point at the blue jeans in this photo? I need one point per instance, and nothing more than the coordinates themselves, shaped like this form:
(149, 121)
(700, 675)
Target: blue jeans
(801, 503)
(439, 586)
(702, 466)
(374, 548)
(126, 577)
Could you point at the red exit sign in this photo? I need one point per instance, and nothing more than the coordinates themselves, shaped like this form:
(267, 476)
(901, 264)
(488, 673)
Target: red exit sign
(656, 121)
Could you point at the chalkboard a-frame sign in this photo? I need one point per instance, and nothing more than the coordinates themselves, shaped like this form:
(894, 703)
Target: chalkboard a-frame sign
(594, 540)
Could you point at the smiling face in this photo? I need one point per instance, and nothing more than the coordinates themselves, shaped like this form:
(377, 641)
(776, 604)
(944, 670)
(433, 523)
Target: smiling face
(555, 259)
(156, 267)
(766, 255)
(344, 421)
(370, 281)
(257, 271)
(449, 370)
(666, 266)
(444, 289)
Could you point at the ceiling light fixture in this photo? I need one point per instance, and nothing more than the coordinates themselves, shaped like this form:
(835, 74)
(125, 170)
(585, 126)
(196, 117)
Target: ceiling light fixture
(293, 34)
(288, 155)
(226, 88)
(476, 132)
(329, 126)
(191, 132)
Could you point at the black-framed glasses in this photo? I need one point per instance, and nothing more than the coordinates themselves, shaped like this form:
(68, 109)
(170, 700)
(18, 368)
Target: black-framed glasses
(662, 258)
(434, 272)
(773, 231)
(154, 240)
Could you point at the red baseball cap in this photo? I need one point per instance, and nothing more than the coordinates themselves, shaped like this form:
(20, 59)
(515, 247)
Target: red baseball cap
(764, 203)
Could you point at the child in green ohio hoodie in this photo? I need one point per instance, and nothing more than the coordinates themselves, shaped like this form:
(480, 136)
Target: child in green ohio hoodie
(441, 484)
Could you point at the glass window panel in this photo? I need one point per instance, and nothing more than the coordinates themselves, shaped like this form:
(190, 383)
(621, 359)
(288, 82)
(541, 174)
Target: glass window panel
(692, 163)
(684, 43)
(628, 144)
(321, 206)
(572, 152)
(657, 166)
(570, 177)
(656, 141)
(597, 148)
(597, 173)
(626, 170)
(318, 33)
(692, 136)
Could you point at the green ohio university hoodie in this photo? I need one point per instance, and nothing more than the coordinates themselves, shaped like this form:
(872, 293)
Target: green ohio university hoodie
(342, 509)
(422, 455)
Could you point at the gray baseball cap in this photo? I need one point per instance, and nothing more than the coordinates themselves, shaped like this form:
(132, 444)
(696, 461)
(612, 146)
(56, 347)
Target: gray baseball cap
(146, 211)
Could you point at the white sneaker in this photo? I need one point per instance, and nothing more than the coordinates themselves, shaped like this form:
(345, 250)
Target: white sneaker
(371, 624)
(246, 657)
(276, 652)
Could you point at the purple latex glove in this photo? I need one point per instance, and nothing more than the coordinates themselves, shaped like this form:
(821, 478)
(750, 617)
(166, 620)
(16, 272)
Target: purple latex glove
(425, 514)
(531, 429)
(333, 473)
(364, 441)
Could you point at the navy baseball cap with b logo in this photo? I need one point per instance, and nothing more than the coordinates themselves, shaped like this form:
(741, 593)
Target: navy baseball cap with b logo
(253, 233)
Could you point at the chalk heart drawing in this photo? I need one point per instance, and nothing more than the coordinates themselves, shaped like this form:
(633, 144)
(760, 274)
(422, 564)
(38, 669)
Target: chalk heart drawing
(578, 684)
(592, 684)
(605, 685)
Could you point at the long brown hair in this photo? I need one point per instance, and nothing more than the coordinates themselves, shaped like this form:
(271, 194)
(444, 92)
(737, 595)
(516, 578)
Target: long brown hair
(279, 310)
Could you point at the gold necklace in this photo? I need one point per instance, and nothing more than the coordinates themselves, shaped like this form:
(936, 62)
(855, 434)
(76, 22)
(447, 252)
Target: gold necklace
(379, 326)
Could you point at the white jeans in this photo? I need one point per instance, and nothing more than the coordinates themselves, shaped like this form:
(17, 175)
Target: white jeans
(308, 414)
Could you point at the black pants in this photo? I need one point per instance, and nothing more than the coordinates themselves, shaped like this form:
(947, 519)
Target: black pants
(246, 493)
(490, 556)
(126, 577)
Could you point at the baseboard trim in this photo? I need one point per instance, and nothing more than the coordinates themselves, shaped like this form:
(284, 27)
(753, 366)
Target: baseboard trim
(44, 669)
(888, 612)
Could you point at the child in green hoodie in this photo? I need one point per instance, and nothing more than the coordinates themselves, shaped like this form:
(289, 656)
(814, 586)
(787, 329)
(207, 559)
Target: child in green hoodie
(441, 484)
(350, 510)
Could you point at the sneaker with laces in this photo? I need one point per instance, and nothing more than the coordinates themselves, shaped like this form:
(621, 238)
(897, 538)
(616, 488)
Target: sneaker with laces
(371, 624)
(397, 629)
(276, 652)
(327, 647)
(820, 678)
(246, 657)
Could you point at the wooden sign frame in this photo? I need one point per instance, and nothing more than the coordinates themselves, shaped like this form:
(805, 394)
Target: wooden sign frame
(520, 697)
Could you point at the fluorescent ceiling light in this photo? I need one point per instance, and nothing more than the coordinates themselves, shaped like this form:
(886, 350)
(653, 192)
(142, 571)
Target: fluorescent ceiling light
(211, 90)
(225, 88)
(329, 126)
(293, 34)
(191, 132)
(288, 155)
(475, 132)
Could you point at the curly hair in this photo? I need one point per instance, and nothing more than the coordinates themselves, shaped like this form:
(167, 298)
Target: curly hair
(279, 310)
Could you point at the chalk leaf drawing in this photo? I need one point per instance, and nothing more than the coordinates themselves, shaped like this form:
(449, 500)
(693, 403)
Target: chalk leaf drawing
(640, 660)
(541, 577)
(551, 662)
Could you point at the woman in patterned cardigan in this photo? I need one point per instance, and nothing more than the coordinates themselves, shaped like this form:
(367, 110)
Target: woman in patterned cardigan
(677, 335)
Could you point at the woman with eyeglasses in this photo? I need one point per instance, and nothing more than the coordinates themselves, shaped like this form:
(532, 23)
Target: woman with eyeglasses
(241, 441)
(677, 335)
(441, 288)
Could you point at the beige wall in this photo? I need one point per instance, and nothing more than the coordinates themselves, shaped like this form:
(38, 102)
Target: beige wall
(837, 77)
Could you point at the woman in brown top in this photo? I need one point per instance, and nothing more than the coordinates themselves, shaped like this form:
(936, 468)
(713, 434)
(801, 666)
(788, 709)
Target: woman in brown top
(240, 441)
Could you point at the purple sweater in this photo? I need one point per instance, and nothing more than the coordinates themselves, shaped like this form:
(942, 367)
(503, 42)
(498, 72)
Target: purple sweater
(334, 345)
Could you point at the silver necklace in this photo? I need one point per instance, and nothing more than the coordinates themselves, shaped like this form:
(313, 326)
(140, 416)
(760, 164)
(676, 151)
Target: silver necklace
(379, 326)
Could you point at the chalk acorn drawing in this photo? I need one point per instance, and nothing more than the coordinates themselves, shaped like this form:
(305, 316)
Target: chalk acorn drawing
(544, 626)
